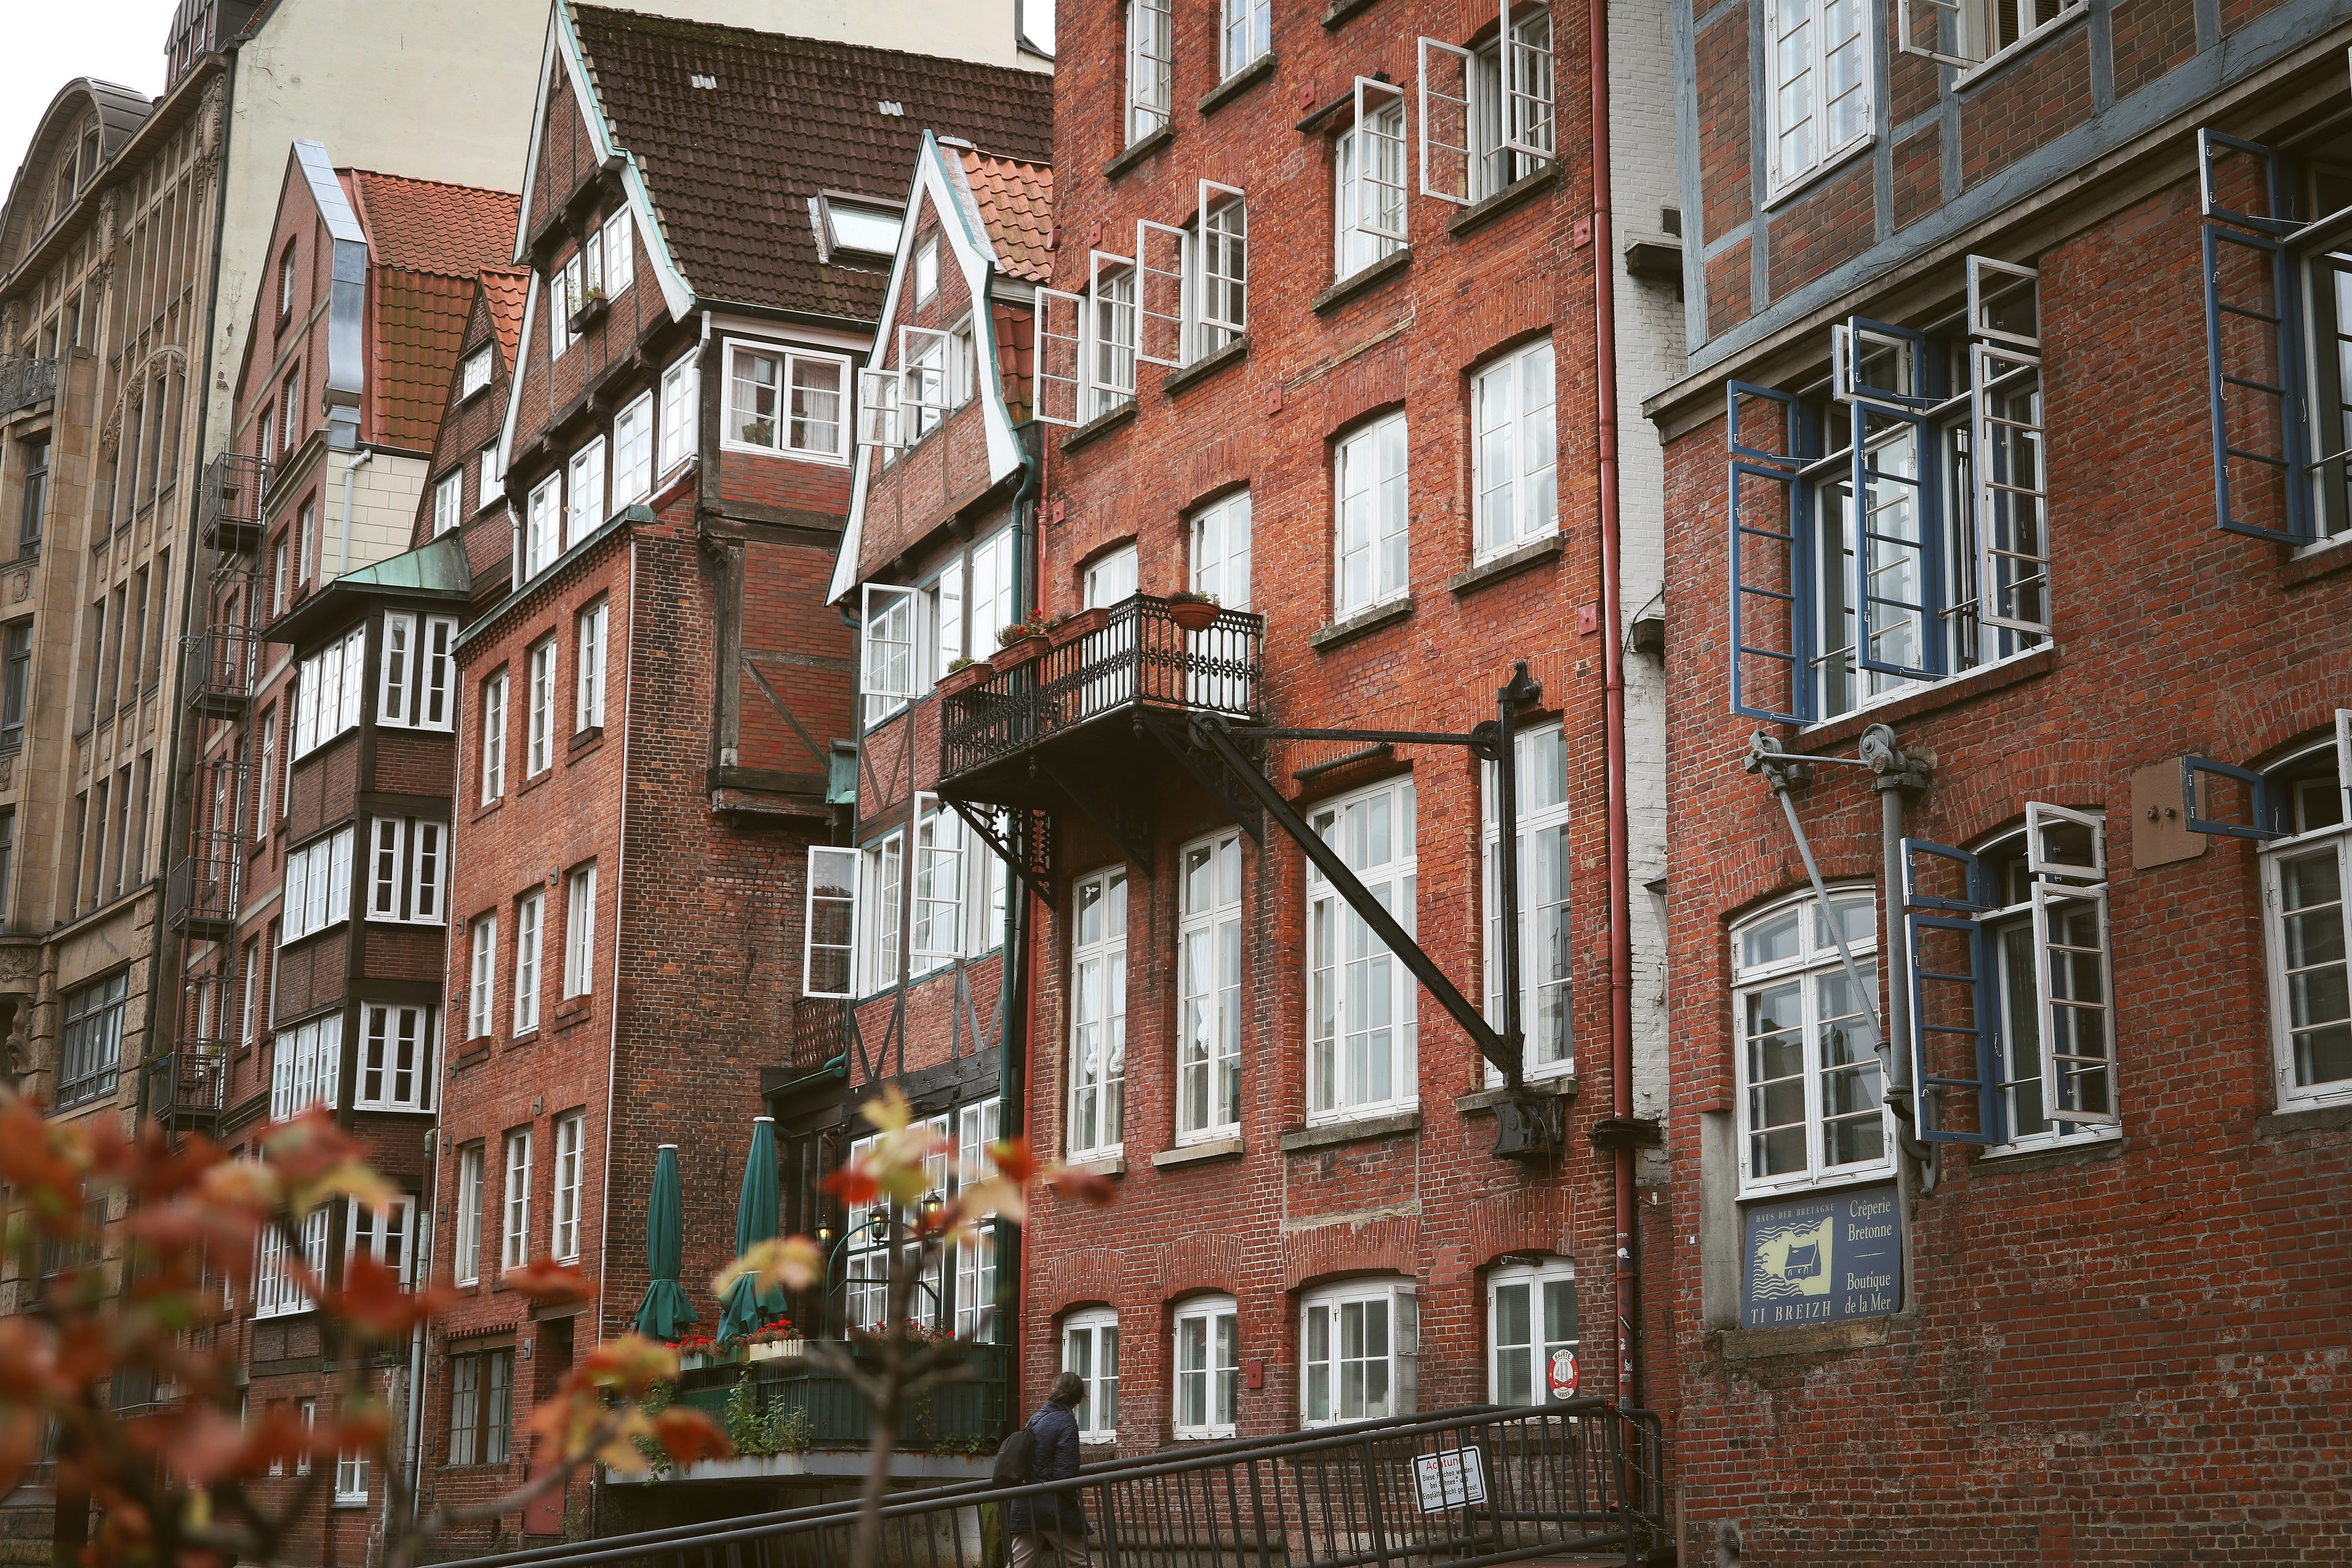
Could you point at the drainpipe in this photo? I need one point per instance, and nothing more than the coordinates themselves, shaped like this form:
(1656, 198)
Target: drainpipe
(1613, 665)
(1014, 984)
(366, 454)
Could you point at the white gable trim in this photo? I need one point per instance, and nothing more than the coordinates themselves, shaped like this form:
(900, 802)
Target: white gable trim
(514, 376)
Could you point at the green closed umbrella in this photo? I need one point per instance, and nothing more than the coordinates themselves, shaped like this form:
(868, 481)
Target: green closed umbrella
(665, 1314)
(755, 1221)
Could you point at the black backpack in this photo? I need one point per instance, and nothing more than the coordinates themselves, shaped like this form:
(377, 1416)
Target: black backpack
(1016, 1459)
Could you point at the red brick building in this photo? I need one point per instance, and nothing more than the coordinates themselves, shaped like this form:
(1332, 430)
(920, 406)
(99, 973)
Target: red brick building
(2027, 327)
(1319, 345)
(313, 901)
(656, 691)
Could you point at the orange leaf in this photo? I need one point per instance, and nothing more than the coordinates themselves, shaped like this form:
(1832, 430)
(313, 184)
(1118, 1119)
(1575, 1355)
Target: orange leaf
(687, 1435)
(550, 1283)
(853, 1185)
(1013, 1160)
(1085, 1186)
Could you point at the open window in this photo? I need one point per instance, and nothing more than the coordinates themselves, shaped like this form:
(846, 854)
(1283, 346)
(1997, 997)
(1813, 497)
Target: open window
(829, 931)
(924, 394)
(887, 665)
(857, 228)
(1110, 324)
(1888, 527)
(877, 410)
(1486, 113)
(1159, 292)
(1060, 320)
(1965, 34)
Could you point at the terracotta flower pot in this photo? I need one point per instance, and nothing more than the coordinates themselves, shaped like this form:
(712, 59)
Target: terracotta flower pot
(1193, 614)
(1079, 624)
(1007, 659)
(958, 682)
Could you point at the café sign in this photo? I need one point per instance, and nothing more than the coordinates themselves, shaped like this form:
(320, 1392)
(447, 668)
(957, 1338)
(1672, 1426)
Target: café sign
(1823, 1257)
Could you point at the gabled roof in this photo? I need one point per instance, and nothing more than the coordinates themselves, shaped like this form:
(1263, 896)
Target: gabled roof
(425, 226)
(730, 168)
(427, 240)
(505, 288)
(1015, 202)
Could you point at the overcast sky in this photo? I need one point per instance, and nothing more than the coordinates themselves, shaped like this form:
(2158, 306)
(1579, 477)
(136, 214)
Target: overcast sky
(49, 44)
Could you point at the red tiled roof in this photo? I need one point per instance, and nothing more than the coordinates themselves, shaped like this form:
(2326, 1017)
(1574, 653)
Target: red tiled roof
(506, 289)
(732, 168)
(1016, 202)
(425, 226)
(420, 324)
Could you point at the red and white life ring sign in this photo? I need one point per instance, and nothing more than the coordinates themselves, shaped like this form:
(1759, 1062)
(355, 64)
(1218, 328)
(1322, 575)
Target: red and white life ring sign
(1562, 1376)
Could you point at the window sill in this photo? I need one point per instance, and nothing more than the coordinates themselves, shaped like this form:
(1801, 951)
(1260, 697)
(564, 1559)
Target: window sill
(1481, 213)
(2314, 561)
(1361, 624)
(1361, 1130)
(1932, 699)
(1102, 1164)
(1509, 563)
(1483, 1103)
(522, 1037)
(535, 780)
(1240, 82)
(1197, 1153)
(1998, 63)
(2049, 1156)
(1804, 1338)
(1101, 425)
(572, 1007)
(1200, 370)
(1139, 152)
(1363, 280)
(1804, 183)
(2305, 1119)
(471, 1056)
(582, 739)
(1340, 10)
(488, 807)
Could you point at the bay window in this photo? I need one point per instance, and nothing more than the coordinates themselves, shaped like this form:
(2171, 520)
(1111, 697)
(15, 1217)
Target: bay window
(1209, 990)
(396, 1065)
(317, 886)
(330, 682)
(418, 689)
(306, 1067)
(408, 870)
(1811, 1088)
(1361, 1014)
(1098, 1015)
(1359, 1351)
(1208, 1366)
(385, 1232)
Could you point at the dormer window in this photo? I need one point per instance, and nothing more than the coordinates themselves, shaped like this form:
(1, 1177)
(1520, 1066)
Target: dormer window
(865, 229)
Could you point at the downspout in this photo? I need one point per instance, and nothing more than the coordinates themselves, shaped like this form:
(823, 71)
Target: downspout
(1613, 666)
(366, 456)
(1013, 1031)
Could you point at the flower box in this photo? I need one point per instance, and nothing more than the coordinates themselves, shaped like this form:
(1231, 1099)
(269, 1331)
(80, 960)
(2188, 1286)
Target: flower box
(1078, 625)
(957, 682)
(1192, 615)
(1007, 659)
(692, 1360)
(776, 1349)
(590, 308)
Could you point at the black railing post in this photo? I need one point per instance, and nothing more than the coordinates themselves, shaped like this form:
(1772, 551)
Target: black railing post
(1372, 1502)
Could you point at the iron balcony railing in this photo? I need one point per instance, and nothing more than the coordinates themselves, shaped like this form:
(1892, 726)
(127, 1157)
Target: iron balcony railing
(203, 889)
(231, 515)
(1461, 1489)
(221, 661)
(24, 380)
(188, 1085)
(1137, 656)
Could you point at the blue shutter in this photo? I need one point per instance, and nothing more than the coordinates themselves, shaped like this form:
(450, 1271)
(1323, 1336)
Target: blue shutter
(2251, 354)
(1898, 547)
(1955, 999)
(1771, 597)
(2265, 812)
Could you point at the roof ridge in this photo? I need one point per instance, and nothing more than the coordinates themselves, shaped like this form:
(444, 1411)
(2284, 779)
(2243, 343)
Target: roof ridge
(421, 180)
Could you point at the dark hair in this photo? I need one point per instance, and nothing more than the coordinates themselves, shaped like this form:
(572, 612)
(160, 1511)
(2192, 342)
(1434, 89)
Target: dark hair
(1069, 1389)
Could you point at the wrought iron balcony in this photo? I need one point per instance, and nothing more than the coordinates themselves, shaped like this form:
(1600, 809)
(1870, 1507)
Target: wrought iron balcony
(187, 1087)
(221, 663)
(203, 889)
(24, 380)
(231, 517)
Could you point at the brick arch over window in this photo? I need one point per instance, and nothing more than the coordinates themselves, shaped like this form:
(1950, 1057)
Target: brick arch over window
(1373, 384)
(1086, 1278)
(2257, 724)
(1202, 1263)
(1211, 470)
(1535, 1218)
(1371, 1246)
(1993, 793)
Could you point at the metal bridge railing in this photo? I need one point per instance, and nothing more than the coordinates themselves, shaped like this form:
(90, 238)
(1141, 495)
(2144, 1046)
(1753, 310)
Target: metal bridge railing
(1460, 1488)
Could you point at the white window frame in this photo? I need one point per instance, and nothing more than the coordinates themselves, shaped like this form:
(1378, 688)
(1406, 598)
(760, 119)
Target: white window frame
(1113, 576)
(783, 421)
(539, 752)
(584, 513)
(1372, 516)
(924, 373)
(1785, 174)
(317, 885)
(483, 982)
(1543, 810)
(1098, 956)
(829, 921)
(681, 385)
(1060, 383)
(936, 938)
(268, 774)
(1109, 326)
(333, 677)
(408, 870)
(514, 1202)
(530, 932)
(570, 1185)
(1246, 32)
(493, 479)
(943, 619)
(1206, 1344)
(1323, 1401)
(580, 932)
(1975, 46)
(275, 1293)
(1541, 1281)
(1218, 551)
(1510, 429)
(2297, 845)
(882, 893)
(466, 1267)
(1329, 920)
(1217, 260)
(448, 501)
(1209, 962)
(588, 684)
(927, 269)
(978, 1125)
(306, 1065)
(1090, 1349)
(1814, 961)
(886, 641)
(385, 1232)
(474, 373)
(417, 685)
(633, 452)
(542, 525)
(494, 737)
(615, 246)
(1150, 67)
(1369, 219)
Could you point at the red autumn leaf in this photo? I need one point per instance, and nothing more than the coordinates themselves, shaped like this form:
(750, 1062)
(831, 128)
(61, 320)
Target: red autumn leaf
(687, 1435)
(1015, 1160)
(309, 1146)
(203, 1444)
(853, 1185)
(549, 1283)
(1085, 1186)
(372, 1302)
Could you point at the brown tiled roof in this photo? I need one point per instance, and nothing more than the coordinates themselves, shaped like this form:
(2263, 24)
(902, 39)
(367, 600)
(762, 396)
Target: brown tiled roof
(1016, 202)
(731, 169)
(425, 226)
(506, 289)
(420, 322)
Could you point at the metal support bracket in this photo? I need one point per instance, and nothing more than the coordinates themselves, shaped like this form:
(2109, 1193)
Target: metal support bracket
(1127, 822)
(1208, 769)
(1037, 881)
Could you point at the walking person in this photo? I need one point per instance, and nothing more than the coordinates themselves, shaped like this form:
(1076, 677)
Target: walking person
(1057, 1520)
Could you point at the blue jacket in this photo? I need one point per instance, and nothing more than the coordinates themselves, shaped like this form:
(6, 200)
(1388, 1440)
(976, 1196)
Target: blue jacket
(1056, 1433)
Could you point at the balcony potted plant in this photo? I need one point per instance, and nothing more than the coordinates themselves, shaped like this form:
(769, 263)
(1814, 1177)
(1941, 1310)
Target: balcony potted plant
(698, 1350)
(1080, 624)
(774, 1340)
(1024, 641)
(964, 676)
(1191, 610)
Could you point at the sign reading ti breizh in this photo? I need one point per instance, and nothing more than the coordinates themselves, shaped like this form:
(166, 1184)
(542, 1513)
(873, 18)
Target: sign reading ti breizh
(1817, 1259)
